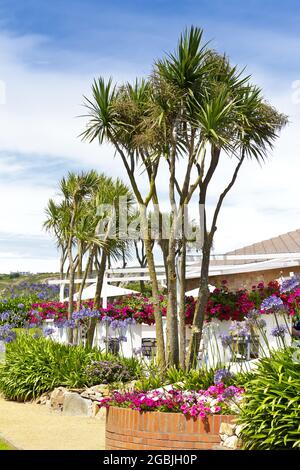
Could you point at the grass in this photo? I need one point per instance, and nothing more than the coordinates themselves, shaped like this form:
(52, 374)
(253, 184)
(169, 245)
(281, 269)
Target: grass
(4, 445)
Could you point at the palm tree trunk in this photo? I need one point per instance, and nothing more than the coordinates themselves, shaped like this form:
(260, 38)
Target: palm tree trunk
(160, 343)
(182, 319)
(172, 321)
(62, 263)
(71, 290)
(97, 299)
(85, 275)
(200, 308)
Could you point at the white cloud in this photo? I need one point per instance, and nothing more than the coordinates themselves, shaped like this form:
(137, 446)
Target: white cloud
(7, 166)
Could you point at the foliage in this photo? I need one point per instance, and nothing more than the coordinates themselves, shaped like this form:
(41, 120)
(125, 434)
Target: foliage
(194, 379)
(147, 289)
(4, 445)
(271, 414)
(35, 365)
(103, 372)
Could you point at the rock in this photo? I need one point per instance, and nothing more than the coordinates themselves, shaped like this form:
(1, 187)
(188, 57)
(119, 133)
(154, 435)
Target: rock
(43, 399)
(101, 414)
(93, 393)
(102, 388)
(95, 409)
(238, 429)
(75, 405)
(232, 442)
(76, 390)
(57, 398)
(227, 428)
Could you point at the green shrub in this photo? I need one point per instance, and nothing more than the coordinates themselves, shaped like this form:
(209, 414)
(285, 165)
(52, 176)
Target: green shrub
(194, 379)
(271, 413)
(36, 365)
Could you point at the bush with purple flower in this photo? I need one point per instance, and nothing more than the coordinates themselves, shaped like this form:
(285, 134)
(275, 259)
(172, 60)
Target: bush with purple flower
(105, 372)
(7, 334)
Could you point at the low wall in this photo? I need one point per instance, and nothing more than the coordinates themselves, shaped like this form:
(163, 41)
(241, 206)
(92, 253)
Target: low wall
(130, 429)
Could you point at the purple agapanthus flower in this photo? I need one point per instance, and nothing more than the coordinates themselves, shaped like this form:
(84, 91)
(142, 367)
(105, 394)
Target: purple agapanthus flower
(279, 331)
(222, 375)
(272, 303)
(106, 319)
(129, 321)
(4, 316)
(261, 323)
(69, 324)
(253, 315)
(226, 340)
(7, 335)
(48, 331)
(290, 284)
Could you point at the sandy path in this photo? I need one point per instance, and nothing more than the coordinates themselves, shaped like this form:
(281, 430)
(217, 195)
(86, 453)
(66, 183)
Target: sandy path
(28, 426)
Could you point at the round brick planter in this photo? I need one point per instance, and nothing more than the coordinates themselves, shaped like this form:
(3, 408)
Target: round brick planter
(130, 429)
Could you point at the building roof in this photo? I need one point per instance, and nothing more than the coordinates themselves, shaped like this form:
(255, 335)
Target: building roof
(274, 253)
(286, 243)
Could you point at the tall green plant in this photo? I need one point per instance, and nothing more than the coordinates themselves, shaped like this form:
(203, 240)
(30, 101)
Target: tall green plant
(271, 412)
(37, 365)
(195, 107)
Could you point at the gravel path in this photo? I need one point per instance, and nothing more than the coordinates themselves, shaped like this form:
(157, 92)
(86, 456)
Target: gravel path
(34, 427)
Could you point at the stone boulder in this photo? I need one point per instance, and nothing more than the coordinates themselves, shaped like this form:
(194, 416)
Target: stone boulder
(57, 398)
(75, 405)
(96, 392)
(43, 399)
(227, 429)
(232, 442)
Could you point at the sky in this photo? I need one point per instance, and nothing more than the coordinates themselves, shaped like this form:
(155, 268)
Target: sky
(51, 51)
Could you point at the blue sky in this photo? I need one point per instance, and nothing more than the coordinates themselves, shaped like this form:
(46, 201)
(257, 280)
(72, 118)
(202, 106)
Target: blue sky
(49, 54)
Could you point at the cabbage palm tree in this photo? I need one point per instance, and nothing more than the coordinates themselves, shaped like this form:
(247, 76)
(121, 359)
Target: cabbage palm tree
(196, 108)
(55, 224)
(117, 116)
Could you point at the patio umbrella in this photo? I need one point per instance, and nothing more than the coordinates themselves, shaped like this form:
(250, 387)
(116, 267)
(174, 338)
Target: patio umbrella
(107, 291)
(194, 292)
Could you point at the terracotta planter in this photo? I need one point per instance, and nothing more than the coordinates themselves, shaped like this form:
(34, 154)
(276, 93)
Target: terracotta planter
(130, 429)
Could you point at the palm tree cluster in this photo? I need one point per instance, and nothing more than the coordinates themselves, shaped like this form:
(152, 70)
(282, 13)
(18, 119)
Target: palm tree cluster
(193, 111)
(83, 232)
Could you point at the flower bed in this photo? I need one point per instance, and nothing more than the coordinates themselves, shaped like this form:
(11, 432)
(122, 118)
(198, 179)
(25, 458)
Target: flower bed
(223, 305)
